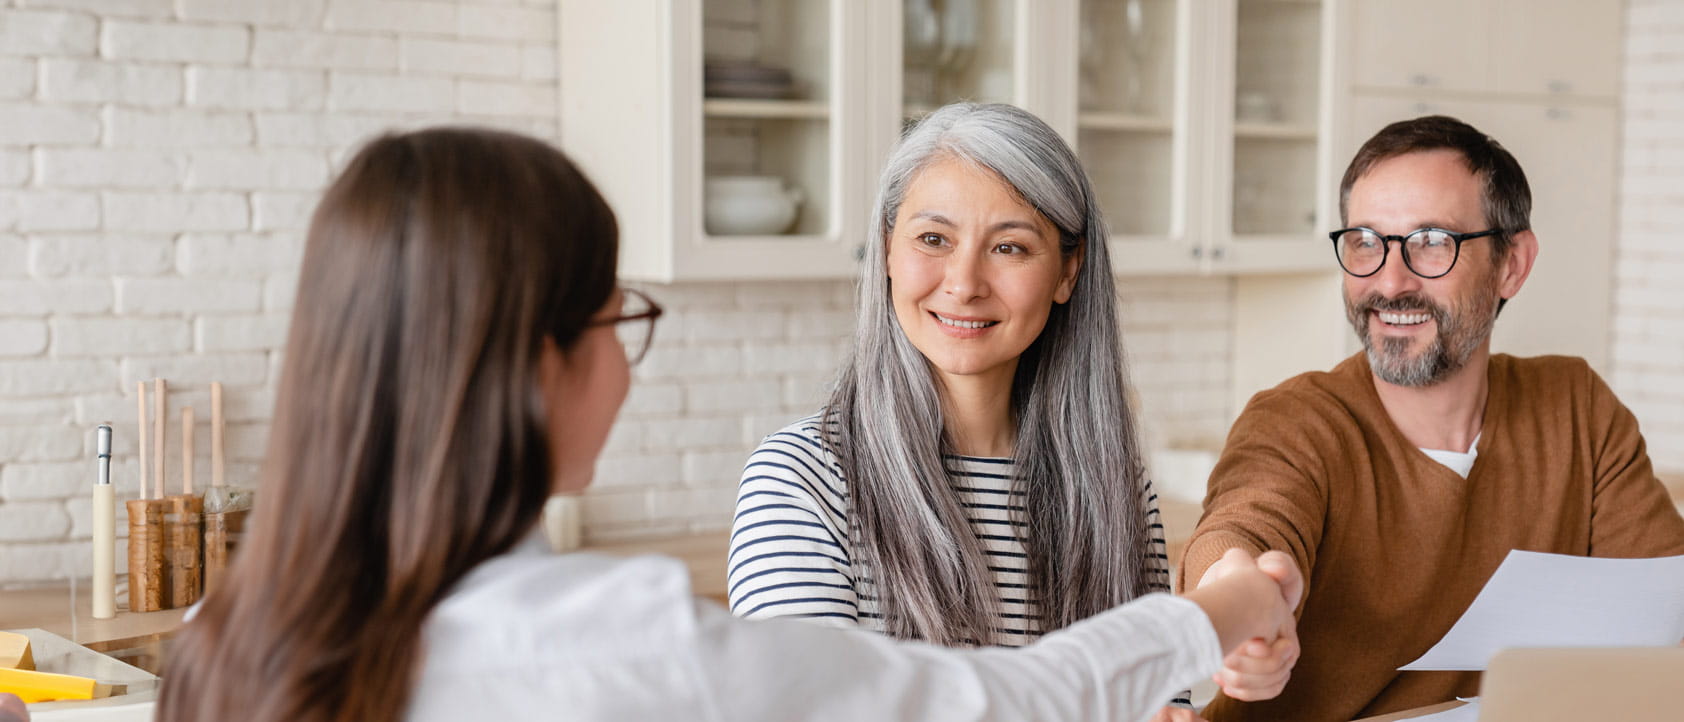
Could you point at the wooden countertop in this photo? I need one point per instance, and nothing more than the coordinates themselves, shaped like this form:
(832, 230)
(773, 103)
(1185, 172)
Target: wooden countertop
(49, 608)
(704, 554)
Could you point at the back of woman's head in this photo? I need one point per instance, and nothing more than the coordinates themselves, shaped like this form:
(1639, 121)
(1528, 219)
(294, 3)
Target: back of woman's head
(408, 443)
(1076, 444)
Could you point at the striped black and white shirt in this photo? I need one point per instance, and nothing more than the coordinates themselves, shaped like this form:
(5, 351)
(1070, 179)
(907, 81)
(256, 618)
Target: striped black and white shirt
(789, 540)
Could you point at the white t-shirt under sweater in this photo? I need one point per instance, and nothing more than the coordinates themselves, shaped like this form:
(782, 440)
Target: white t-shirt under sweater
(1458, 462)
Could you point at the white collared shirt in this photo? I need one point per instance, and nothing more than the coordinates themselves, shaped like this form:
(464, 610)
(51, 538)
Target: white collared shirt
(533, 635)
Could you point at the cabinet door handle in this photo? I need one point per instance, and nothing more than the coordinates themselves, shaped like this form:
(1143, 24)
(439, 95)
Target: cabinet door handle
(1560, 86)
(1422, 79)
(1556, 114)
(1198, 251)
(1217, 253)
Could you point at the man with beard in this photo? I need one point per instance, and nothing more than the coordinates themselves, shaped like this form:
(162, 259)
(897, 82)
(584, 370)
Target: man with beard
(1400, 479)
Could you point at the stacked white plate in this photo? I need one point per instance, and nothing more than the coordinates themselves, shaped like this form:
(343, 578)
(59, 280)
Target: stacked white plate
(746, 79)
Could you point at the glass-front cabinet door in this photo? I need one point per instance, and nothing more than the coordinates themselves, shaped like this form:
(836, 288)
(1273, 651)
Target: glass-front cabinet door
(727, 134)
(1279, 192)
(766, 111)
(1132, 126)
(953, 50)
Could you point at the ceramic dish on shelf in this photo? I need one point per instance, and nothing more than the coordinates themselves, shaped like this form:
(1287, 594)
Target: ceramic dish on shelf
(757, 91)
(749, 205)
(741, 79)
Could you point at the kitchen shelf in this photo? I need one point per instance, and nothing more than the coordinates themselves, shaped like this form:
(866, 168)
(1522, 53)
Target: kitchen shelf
(1093, 120)
(1274, 131)
(755, 108)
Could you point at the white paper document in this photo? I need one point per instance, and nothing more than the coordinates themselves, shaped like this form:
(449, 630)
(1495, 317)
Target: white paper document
(1554, 600)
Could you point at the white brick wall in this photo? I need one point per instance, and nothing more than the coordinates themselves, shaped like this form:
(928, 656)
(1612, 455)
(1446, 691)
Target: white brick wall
(1648, 348)
(159, 160)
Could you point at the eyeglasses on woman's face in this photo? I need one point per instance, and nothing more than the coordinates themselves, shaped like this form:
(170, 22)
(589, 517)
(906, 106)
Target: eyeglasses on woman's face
(635, 324)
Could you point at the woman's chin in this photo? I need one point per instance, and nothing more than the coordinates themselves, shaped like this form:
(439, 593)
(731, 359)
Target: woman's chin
(970, 366)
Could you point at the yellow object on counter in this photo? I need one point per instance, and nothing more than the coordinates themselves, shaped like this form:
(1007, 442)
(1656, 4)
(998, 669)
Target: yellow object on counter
(14, 651)
(44, 686)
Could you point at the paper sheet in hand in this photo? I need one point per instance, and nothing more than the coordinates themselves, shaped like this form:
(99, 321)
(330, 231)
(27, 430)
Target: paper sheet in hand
(1553, 600)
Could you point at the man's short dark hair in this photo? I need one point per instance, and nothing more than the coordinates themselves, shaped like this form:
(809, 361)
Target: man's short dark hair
(1506, 198)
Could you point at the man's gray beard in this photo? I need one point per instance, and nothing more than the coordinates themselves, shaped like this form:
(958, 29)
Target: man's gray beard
(1391, 363)
(1449, 351)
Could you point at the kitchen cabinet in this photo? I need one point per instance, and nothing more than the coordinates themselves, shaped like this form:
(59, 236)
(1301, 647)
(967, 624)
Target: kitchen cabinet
(1505, 47)
(1438, 44)
(1202, 122)
(640, 117)
(1276, 183)
(1562, 48)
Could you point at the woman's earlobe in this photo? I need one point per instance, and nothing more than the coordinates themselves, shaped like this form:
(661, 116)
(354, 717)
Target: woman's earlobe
(1067, 285)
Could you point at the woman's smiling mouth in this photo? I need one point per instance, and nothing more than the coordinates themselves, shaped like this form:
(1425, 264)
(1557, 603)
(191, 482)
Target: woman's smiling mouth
(961, 327)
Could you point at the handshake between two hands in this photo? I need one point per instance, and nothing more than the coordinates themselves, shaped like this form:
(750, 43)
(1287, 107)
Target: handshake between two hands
(1250, 603)
(1259, 668)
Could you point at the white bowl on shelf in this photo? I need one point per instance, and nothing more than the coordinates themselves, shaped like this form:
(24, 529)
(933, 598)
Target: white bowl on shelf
(749, 205)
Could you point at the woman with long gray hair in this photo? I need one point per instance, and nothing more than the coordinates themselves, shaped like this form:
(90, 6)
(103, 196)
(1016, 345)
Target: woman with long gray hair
(976, 477)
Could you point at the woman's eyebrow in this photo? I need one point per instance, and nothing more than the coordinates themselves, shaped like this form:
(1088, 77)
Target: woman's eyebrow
(1006, 225)
(934, 217)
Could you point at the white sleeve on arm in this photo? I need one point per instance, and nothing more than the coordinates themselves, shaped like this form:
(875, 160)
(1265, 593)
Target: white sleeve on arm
(789, 555)
(1157, 560)
(1119, 665)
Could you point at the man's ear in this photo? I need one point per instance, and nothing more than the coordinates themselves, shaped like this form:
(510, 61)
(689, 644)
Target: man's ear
(1067, 281)
(1517, 265)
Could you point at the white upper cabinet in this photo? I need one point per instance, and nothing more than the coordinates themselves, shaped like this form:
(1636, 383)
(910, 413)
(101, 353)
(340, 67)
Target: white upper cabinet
(1134, 100)
(728, 136)
(1278, 177)
(1413, 44)
(1202, 124)
(1520, 47)
(742, 139)
(1557, 47)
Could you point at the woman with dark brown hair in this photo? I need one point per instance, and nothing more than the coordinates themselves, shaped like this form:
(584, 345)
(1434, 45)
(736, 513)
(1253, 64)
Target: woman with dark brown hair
(452, 362)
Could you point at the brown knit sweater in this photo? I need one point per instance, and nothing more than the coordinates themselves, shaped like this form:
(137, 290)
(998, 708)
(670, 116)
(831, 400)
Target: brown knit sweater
(1394, 546)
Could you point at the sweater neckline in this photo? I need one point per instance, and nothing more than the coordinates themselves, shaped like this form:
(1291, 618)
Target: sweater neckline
(1495, 398)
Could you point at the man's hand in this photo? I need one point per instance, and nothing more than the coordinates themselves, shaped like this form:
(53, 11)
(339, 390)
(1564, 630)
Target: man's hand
(1260, 669)
(12, 709)
(1177, 714)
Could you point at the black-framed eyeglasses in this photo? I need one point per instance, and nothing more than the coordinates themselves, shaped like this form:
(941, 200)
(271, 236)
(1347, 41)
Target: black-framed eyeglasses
(635, 325)
(1427, 252)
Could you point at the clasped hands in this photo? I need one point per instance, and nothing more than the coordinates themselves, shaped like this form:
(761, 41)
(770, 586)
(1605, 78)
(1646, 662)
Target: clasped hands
(1260, 668)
